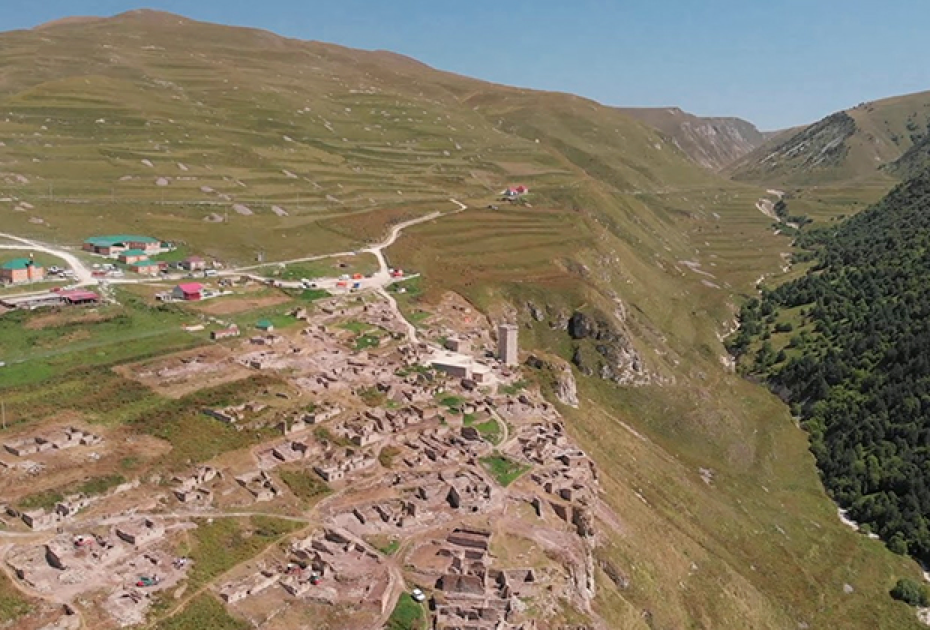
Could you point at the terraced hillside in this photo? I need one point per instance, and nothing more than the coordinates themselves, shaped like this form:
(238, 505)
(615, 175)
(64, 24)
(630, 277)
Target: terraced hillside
(854, 144)
(713, 143)
(154, 121)
(626, 260)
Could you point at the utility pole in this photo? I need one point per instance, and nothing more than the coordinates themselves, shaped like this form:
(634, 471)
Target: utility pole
(3, 413)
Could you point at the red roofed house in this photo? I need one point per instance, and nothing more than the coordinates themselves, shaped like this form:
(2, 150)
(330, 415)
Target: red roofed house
(193, 263)
(516, 191)
(190, 291)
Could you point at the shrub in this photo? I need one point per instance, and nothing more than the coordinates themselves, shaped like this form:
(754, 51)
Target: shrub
(910, 592)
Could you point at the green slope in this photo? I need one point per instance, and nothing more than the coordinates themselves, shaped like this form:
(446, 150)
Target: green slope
(854, 144)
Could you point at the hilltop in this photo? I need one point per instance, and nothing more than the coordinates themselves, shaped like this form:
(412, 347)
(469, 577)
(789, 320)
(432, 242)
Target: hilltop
(623, 267)
(854, 144)
(714, 143)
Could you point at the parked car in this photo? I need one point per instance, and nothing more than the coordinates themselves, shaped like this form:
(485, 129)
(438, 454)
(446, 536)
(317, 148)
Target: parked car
(418, 595)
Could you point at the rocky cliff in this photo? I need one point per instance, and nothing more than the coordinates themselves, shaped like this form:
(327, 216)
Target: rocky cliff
(711, 142)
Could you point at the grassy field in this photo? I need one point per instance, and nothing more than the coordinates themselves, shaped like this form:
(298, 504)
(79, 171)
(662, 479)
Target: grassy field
(489, 429)
(306, 486)
(204, 611)
(329, 268)
(407, 615)
(13, 605)
(196, 437)
(91, 487)
(215, 547)
(38, 345)
(504, 469)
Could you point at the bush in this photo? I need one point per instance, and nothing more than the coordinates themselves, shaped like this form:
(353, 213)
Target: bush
(910, 592)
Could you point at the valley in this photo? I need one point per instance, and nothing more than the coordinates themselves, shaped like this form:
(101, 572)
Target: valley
(335, 419)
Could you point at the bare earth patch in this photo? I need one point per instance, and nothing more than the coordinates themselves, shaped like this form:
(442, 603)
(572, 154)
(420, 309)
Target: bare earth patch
(231, 306)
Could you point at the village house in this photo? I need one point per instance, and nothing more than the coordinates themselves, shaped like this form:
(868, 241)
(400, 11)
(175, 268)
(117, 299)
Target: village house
(189, 292)
(21, 270)
(193, 263)
(115, 244)
(145, 267)
(131, 256)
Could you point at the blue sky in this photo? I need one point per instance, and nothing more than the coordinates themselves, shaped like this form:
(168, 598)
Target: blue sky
(776, 63)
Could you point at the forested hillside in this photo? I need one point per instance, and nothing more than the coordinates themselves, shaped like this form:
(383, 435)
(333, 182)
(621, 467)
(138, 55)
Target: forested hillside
(848, 345)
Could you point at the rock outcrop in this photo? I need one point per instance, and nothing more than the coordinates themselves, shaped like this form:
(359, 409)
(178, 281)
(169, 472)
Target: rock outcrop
(566, 389)
(604, 350)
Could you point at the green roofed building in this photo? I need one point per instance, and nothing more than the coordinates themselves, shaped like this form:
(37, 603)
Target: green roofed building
(21, 270)
(265, 324)
(145, 267)
(108, 245)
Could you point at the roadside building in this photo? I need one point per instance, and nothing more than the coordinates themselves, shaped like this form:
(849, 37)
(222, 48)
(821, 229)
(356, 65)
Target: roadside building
(115, 244)
(132, 256)
(145, 267)
(21, 270)
(190, 292)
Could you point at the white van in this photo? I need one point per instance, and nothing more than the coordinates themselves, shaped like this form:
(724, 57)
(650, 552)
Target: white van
(209, 273)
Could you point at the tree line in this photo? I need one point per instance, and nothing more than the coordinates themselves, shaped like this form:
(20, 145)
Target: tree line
(847, 346)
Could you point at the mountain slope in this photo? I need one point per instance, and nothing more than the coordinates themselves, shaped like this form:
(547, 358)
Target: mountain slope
(157, 124)
(711, 142)
(853, 144)
(854, 366)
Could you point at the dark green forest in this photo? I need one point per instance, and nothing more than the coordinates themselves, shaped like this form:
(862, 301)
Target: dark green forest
(848, 347)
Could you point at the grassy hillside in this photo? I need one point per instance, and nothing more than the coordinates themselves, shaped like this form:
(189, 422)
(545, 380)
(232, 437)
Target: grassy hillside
(853, 144)
(620, 225)
(713, 143)
(149, 122)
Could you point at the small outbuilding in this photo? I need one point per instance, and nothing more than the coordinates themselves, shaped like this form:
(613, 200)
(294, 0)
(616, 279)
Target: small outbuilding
(78, 296)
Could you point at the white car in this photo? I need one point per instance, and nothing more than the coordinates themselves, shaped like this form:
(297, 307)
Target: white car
(418, 595)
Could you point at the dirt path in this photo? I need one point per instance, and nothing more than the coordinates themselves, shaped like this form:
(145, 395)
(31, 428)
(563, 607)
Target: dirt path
(376, 250)
(81, 272)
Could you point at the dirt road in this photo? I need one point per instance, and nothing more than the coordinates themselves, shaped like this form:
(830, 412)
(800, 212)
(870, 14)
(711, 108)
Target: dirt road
(81, 271)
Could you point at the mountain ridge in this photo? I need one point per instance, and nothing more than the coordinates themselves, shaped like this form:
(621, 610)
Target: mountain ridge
(855, 143)
(713, 142)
